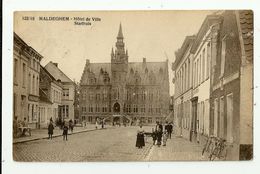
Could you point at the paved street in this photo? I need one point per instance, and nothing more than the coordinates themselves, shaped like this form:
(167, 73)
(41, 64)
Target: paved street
(114, 144)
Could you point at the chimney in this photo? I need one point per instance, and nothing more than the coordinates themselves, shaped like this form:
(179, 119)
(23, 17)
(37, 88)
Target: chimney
(144, 60)
(56, 64)
(87, 61)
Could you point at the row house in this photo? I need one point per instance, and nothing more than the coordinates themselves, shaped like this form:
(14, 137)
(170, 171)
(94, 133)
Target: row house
(232, 84)
(53, 89)
(26, 82)
(221, 95)
(20, 78)
(64, 108)
(33, 88)
(192, 81)
(183, 87)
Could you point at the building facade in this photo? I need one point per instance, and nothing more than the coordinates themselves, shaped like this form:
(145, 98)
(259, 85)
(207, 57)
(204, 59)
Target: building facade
(33, 88)
(26, 82)
(193, 81)
(123, 91)
(21, 58)
(66, 110)
(232, 102)
(54, 91)
(221, 100)
(45, 109)
(183, 87)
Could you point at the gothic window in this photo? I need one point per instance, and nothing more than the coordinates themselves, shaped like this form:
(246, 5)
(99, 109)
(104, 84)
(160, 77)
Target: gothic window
(158, 95)
(97, 96)
(143, 94)
(83, 95)
(150, 95)
(128, 108)
(150, 109)
(142, 108)
(84, 109)
(91, 95)
(135, 108)
(90, 108)
(97, 108)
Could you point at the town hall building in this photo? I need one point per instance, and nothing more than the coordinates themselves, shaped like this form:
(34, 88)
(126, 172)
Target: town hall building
(124, 92)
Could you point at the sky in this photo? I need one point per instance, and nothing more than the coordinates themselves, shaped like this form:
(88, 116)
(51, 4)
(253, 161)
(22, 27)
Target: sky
(155, 35)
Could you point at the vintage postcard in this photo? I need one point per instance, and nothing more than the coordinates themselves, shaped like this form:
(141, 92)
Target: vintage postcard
(131, 86)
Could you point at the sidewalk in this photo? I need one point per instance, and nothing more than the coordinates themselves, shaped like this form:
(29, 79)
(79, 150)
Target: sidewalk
(176, 149)
(37, 134)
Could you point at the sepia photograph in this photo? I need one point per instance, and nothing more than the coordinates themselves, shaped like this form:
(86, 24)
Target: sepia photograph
(132, 86)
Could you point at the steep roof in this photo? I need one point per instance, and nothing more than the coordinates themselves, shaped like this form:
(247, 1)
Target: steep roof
(120, 33)
(142, 69)
(53, 69)
(50, 76)
(247, 28)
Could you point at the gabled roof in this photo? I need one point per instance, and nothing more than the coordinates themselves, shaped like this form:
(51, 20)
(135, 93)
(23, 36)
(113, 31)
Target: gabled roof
(57, 73)
(50, 76)
(143, 69)
(245, 19)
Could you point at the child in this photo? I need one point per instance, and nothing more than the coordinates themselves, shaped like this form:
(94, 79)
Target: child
(164, 138)
(65, 131)
(154, 136)
(50, 130)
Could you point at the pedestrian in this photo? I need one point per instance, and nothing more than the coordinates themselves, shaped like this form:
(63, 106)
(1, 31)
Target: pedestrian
(169, 130)
(24, 124)
(65, 131)
(154, 136)
(71, 125)
(102, 123)
(166, 126)
(15, 127)
(96, 124)
(50, 129)
(164, 138)
(159, 129)
(140, 138)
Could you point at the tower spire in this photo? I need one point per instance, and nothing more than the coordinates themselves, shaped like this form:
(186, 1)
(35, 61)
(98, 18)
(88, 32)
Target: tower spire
(120, 33)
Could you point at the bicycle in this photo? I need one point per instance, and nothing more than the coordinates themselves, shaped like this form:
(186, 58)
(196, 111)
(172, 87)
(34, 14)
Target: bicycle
(219, 151)
(209, 146)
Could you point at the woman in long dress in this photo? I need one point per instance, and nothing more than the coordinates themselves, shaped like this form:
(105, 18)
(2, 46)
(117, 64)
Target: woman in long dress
(140, 138)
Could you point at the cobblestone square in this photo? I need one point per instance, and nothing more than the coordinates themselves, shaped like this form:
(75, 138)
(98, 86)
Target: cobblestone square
(112, 144)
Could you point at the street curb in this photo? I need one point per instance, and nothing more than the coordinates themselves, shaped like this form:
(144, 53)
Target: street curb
(55, 136)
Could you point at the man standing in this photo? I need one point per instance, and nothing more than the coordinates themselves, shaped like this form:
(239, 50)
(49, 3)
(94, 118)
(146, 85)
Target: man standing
(169, 130)
(159, 130)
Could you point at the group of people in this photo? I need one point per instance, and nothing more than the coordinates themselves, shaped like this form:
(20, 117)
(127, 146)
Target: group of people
(66, 126)
(159, 134)
(18, 123)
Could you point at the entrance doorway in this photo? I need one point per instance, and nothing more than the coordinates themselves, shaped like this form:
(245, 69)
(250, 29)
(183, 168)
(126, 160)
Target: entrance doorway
(116, 107)
(194, 123)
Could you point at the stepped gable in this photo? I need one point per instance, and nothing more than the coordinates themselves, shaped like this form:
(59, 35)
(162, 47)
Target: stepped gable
(147, 69)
